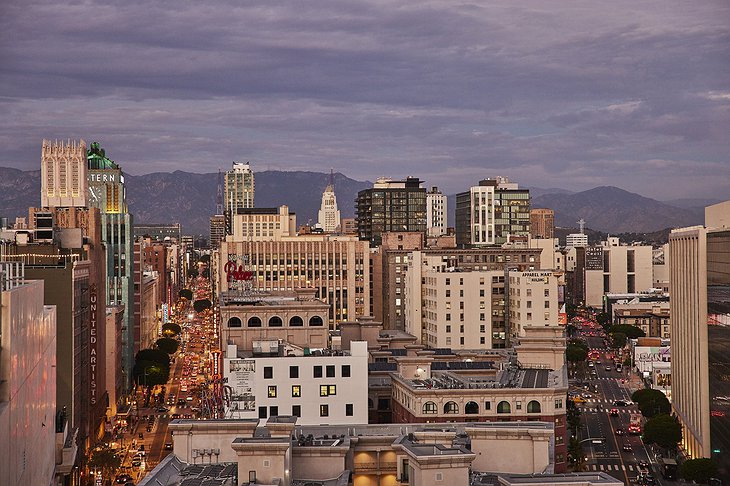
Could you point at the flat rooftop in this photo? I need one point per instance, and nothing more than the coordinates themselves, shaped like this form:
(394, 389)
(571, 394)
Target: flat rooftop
(509, 378)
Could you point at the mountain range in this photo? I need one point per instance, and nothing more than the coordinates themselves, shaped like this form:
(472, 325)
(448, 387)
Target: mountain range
(190, 199)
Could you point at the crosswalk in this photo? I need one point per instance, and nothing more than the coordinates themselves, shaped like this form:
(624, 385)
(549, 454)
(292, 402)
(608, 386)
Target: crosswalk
(614, 467)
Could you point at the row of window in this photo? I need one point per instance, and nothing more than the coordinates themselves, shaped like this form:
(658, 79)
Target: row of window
(275, 321)
(329, 370)
(296, 391)
(472, 408)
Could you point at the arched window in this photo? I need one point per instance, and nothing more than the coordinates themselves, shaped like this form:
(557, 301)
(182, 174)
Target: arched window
(234, 322)
(471, 408)
(504, 407)
(254, 322)
(296, 321)
(533, 406)
(451, 407)
(275, 321)
(316, 321)
(429, 407)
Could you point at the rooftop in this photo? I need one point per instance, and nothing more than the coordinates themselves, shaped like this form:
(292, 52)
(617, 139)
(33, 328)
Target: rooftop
(509, 378)
(174, 472)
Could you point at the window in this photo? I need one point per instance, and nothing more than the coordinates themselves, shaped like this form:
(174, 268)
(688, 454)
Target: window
(504, 407)
(529, 292)
(448, 327)
(275, 321)
(471, 408)
(448, 293)
(481, 292)
(482, 340)
(481, 316)
(487, 405)
(327, 390)
(383, 403)
(254, 322)
(296, 410)
(529, 304)
(448, 317)
(296, 321)
(451, 408)
(273, 411)
(461, 340)
(547, 292)
(330, 371)
(268, 372)
(518, 405)
(262, 412)
(533, 406)
(429, 407)
(316, 321)
(345, 371)
(234, 322)
(272, 391)
(296, 391)
(324, 410)
(547, 304)
(294, 372)
(558, 403)
(348, 410)
(317, 372)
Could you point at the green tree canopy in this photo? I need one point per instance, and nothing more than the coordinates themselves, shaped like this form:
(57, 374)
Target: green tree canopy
(631, 332)
(618, 340)
(575, 353)
(186, 294)
(651, 402)
(201, 305)
(153, 356)
(167, 345)
(604, 319)
(148, 373)
(700, 470)
(663, 430)
(170, 329)
(105, 459)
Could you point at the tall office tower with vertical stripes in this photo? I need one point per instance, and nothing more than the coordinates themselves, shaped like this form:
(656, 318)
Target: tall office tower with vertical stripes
(63, 174)
(239, 186)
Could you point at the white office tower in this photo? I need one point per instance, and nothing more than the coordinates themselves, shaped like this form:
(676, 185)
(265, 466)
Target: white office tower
(329, 216)
(239, 187)
(435, 212)
(576, 240)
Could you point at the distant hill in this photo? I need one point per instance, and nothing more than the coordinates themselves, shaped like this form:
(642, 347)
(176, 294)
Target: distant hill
(615, 210)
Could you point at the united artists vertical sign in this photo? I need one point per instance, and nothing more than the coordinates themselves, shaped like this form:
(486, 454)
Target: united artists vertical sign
(93, 341)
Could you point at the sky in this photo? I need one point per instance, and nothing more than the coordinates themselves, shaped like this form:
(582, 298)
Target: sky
(568, 94)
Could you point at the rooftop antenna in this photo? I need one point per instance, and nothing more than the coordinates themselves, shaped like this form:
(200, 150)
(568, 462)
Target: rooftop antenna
(219, 195)
(582, 225)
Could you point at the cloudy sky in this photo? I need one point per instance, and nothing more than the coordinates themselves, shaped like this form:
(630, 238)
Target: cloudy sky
(571, 94)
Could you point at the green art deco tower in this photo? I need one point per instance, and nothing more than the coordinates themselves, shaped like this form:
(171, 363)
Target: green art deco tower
(108, 193)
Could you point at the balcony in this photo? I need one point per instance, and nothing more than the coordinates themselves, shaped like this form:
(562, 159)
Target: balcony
(375, 468)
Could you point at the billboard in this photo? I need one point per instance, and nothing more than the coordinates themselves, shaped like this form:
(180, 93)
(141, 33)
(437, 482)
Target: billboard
(241, 375)
(594, 258)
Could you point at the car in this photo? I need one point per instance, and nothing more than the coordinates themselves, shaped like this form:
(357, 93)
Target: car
(149, 428)
(627, 447)
(608, 368)
(644, 464)
(619, 403)
(168, 446)
(614, 412)
(175, 415)
(620, 431)
(163, 410)
(136, 463)
(189, 398)
(139, 454)
(180, 402)
(123, 478)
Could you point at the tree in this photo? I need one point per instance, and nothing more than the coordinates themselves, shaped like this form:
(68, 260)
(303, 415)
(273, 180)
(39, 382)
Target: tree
(201, 304)
(171, 329)
(186, 294)
(632, 332)
(663, 430)
(167, 345)
(575, 353)
(150, 374)
(651, 402)
(699, 470)
(576, 455)
(105, 459)
(153, 356)
(604, 319)
(618, 340)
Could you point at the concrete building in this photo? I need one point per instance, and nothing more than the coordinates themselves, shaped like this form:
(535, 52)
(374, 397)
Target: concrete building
(651, 317)
(114, 335)
(436, 212)
(217, 230)
(390, 206)
(348, 226)
(263, 224)
(488, 213)
(317, 388)
(27, 382)
(239, 187)
(533, 301)
(616, 268)
(576, 240)
(699, 287)
(296, 317)
(328, 216)
(63, 174)
(158, 232)
(542, 223)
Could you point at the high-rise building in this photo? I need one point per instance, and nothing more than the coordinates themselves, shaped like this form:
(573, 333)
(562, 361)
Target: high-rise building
(107, 192)
(63, 174)
(391, 206)
(239, 187)
(699, 289)
(576, 240)
(542, 223)
(487, 214)
(329, 216)
(217, 230)
(436, 211)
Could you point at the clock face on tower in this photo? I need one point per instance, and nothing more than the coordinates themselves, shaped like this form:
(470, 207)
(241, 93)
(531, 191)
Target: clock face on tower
(94, 192)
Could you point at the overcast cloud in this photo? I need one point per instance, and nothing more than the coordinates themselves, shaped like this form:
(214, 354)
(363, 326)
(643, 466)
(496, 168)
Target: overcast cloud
(550, 93)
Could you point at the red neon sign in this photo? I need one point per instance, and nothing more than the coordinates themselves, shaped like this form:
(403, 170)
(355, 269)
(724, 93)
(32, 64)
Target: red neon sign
(235, 272)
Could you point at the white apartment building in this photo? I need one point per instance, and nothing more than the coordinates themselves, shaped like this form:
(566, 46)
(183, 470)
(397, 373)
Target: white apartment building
(239, 187)
(328, 217)
(616, 269)
(533, 300)
(436, 211)
(322, 389)
(575, 240)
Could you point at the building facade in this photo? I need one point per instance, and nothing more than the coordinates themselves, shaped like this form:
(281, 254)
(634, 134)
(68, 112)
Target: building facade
(328, 217)
(63, 174)
(390, 206)
(436, 212)
(217, 230)
(533, 301)
(239, 187)
(542, 223)
(158, 232)
(617, 269)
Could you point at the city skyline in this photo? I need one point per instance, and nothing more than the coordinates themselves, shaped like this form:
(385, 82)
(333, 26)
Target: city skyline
(551, 95)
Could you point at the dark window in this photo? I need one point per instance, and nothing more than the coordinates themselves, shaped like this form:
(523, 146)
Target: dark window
(262, 412)
(471, 408)
(345, 371)
(330, 371)
(268, 372)
(296, 321)
(275, 321)
(316, 321)
(348, 409)
(296, 410)
(451, 407)
(383, 403)
(318, 372)
(324, 410)
(234, 322)
(254, 322)
(273, 411)
(294, 372)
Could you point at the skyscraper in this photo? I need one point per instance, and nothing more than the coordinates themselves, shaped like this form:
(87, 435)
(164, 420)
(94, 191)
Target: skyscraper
(391, 206)
(239, 187)
(436, 211)
(699, 289)
(108, 193)
(487, 214)
(329, 216)
(542, 223)
(63, 174)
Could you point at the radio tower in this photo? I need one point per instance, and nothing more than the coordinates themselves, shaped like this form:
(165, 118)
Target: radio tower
(219, 196)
